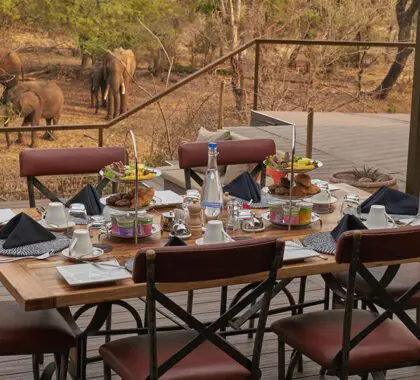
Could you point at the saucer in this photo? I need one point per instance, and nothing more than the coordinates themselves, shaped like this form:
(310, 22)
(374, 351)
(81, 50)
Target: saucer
(56, 228)
(253, 229)
(327, 202)
(201, 242)
(183, 237)
(97, 252)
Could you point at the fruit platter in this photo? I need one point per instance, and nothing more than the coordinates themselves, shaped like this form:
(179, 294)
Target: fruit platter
(118, 172)
(283, 163)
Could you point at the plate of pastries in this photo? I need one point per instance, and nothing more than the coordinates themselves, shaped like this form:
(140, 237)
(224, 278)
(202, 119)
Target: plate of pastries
(127, 201)
(302, 187)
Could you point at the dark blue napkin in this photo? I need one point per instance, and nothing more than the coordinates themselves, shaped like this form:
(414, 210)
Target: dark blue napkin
(23, 230)
(347, 223)
(395, 202)
(244, 187)
(90, 198)
(175, 241)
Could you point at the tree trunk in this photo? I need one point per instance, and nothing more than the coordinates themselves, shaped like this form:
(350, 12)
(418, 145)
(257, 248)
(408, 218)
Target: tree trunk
(405, 20)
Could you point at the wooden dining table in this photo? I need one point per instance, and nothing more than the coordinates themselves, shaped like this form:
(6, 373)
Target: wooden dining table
(37, 285)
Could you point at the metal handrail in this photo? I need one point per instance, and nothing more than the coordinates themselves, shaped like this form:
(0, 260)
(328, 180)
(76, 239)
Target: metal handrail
(198, 73)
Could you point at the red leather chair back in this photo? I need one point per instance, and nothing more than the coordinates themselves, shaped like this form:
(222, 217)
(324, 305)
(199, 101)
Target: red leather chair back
(38, 162)
(205, 263)
(230, 152)
(380, 245)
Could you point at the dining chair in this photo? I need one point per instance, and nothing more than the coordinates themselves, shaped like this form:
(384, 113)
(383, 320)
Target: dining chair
(35, 333)
(358, 342)
(406, 278)
(199, 351)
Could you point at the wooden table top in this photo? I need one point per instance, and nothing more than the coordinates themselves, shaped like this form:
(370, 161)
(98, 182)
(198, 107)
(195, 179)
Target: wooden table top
(37, 284)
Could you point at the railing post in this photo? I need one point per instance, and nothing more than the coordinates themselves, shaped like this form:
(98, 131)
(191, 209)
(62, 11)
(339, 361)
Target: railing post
(221, 105)
(309, 132)
(100, 137)
(256, 74)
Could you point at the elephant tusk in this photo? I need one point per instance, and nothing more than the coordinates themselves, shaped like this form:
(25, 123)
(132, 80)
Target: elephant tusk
(123, 88)
(106, 91)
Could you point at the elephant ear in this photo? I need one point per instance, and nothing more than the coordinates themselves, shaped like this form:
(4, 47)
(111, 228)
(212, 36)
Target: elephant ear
(30, 101)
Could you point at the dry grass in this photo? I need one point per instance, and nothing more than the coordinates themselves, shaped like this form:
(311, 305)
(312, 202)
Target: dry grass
(185, 110)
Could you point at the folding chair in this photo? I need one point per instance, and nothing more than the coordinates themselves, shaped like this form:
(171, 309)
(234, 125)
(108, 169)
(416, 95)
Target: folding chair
(199, 352)
(358, 342)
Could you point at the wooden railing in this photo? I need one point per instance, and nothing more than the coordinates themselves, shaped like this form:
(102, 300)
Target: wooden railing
(257, 42)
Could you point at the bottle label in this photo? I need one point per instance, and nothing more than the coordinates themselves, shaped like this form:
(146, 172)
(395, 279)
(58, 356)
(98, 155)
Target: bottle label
(212, 204)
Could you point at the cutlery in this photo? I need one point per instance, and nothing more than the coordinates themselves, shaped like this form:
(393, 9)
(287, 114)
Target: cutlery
(44, 256)
(107, 265)
(413, 220)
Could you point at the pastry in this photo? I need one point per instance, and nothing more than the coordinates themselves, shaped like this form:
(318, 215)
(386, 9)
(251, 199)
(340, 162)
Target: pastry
(303, 179)
(299, 191)
(313, 189)
(145, 196)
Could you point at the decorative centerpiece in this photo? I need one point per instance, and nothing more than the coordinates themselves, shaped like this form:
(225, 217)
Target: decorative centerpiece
(368, 179)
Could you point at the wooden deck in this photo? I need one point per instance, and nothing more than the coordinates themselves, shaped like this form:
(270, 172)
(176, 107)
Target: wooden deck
(342, 141)
(345, 140)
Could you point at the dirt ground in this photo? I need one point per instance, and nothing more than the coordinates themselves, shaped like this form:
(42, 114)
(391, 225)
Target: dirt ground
(159, 129)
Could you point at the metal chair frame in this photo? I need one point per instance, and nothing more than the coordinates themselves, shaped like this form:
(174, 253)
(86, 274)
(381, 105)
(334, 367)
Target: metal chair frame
(391, 306)
(208, 331)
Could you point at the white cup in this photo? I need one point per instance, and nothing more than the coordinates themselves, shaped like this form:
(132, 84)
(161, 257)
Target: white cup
(377, 217)
(214, 232)
(81, 244)
(56, 214)
(323, 196)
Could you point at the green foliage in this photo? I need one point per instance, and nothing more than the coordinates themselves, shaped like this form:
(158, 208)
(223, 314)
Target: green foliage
(98, 24)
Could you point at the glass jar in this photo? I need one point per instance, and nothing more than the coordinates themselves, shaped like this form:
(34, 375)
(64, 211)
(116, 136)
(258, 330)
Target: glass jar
(276, 212)
(305, 212)
(291, 216)
(144, 223)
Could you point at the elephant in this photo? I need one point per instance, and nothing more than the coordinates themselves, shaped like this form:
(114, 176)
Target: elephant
(35, 101)
(120, 66)
(10, 68)
(98, 82)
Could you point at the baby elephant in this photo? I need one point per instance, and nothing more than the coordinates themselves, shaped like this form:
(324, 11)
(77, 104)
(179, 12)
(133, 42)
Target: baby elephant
(98, 82)
(35, 101)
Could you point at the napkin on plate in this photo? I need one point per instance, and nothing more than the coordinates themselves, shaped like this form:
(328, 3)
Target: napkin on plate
(347, 223)
(90, 198)
(175, 241)
(395, 202)
(23, 230)
(244, 187)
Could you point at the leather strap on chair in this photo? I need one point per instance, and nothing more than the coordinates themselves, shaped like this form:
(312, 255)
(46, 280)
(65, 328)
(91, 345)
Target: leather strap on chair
(38, 162)
(230, 152)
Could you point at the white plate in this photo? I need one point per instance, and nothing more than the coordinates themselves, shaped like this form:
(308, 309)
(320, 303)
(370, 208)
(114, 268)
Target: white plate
(253, 230)
(390, 225)
(201, 242)
(320, 182)
(97, 252)
(330, 202)
(320, 165)
(315, 218)
(294, 253)
(54, 228)
(92, 274)
(117, 179)
(5, 215)
(155, 229)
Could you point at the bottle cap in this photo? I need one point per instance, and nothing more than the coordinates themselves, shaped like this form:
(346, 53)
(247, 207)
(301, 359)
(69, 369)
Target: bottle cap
(212, 145)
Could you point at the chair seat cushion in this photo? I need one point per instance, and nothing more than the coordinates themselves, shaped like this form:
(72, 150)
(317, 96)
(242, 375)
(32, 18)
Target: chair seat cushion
(129, 358)
(178, 178)
(407, 276)
(318, 335)
(32, 332)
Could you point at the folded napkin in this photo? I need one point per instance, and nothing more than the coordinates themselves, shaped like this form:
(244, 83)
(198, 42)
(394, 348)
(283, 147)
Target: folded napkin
(395, 202)
(23, 230)
(244, 187)
(90, 198)
(347, 223)
(175, 241)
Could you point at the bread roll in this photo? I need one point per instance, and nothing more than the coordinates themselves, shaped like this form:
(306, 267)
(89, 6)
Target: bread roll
(303, 179)
(145, 196)
(299, 191)
(313, 189)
